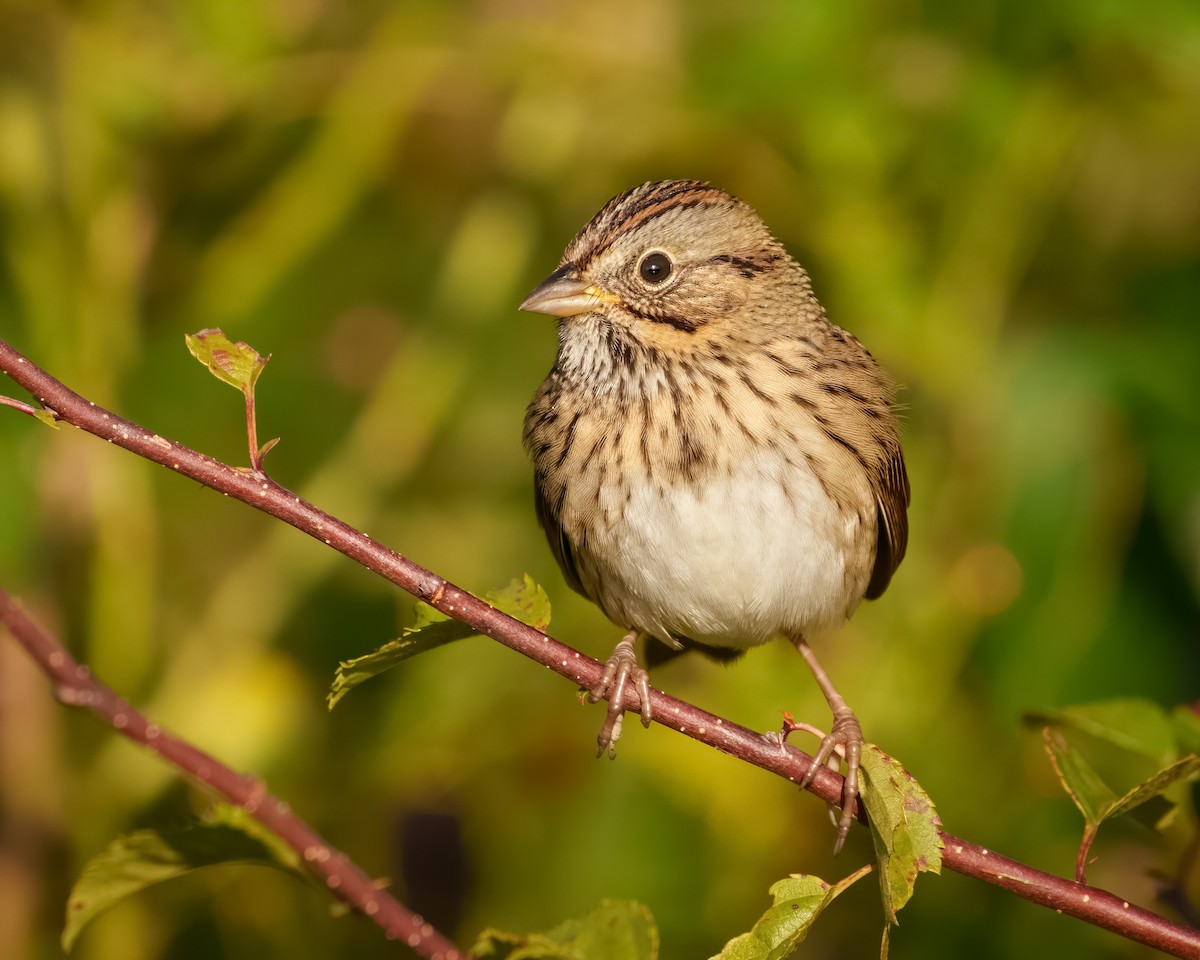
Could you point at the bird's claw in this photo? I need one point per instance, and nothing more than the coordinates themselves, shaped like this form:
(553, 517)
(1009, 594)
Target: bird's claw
(621, 670)
(846, 739)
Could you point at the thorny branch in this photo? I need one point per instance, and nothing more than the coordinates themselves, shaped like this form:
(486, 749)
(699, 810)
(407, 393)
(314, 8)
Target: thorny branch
(1090, 904)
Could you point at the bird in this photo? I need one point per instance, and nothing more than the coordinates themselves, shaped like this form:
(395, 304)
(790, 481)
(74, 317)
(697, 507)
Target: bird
(716, 464)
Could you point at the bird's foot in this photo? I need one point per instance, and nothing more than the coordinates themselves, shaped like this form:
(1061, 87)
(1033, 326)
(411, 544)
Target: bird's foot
(843, 742)
(621, 670)
(789, 727)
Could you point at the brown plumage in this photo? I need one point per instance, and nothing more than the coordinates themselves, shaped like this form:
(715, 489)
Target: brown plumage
(715, 463)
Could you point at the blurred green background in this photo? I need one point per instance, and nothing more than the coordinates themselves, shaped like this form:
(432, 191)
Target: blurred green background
(1001, 199)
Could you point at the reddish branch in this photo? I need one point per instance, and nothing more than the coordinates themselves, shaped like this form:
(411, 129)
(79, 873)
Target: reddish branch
(75, 686)
(1091, 904)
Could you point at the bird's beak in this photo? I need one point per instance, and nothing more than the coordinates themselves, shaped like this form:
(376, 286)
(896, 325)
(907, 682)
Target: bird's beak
(565, 294)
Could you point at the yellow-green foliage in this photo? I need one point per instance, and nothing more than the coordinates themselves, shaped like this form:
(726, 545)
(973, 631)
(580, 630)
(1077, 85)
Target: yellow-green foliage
(1001, 198)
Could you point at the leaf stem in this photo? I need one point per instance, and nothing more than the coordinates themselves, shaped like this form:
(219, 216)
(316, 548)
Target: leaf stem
(20, 405)
(252, 428)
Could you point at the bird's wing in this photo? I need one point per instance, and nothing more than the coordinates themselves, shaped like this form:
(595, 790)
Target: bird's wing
(560, 546)
(889, 482)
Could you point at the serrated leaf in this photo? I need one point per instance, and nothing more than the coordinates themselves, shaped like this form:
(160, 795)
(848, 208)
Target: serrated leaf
(614, 930)
(419, 638)
(799, 900)
(1157, 813)
(1182, 769)
(904, 827)
(1098, 802)
(137, 860)
(237, 364)
(1116, 757)
(522, 599)
(1083, 785)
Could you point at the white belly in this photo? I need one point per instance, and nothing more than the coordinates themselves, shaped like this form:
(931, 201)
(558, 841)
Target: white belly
(735, 560)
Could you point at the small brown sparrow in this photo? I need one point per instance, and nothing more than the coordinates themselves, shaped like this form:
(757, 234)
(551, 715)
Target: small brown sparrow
(715, 463)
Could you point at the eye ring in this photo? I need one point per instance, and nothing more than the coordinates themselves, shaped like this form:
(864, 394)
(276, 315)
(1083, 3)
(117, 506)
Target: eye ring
(655, 267)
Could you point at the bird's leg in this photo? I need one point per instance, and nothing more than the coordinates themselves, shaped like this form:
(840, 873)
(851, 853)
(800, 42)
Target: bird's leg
(846, 734)
(621, 669)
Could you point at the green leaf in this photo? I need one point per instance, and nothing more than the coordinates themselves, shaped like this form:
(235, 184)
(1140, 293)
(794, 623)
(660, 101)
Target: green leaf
(138, 860)
(1117, 757)
(430, 630)
(904, 827)
(1097, 801)
(523, 599)
(1185, 768)
(799, 900)
(1085, 787)
(237, 818)
(614, 930)
(1138, 726)
(1186, 720)
(46, 417)
(237, 364)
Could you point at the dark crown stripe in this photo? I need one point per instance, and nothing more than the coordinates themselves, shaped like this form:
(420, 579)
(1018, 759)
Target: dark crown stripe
(633, 209)
(671, 196)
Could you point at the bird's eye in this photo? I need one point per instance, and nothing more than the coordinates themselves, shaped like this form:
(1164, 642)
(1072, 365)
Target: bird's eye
(655, 267)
